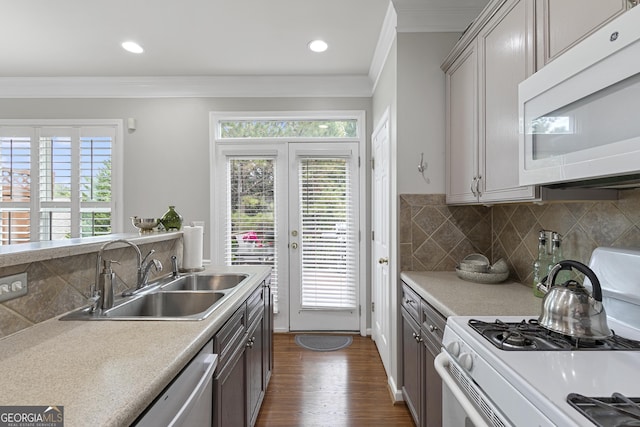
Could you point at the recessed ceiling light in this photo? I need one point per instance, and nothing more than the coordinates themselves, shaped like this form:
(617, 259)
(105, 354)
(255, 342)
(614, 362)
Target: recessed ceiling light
(318, 46)
(132, 47)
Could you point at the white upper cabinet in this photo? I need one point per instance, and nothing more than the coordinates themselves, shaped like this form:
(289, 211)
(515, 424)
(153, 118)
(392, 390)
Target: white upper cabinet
(563, 23)
(482, 108)
(506, 44)
(462, 128)
(506, 54)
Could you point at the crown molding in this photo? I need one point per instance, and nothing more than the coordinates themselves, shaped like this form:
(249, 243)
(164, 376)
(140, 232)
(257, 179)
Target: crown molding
(187, 86)
(416, 16)
(383, 47)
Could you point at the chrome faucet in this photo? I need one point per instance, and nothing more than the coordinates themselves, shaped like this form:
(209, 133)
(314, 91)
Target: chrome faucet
(101, 293)
(145, 268)
(103, 298)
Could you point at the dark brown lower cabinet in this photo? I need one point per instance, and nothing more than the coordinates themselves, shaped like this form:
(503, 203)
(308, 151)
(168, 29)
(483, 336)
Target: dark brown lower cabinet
(244, 347)
(422, 329)
(411, 366)
(255, 365)
(229, 393)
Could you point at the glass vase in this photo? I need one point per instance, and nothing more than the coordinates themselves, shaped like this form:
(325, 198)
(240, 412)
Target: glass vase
(171, 220)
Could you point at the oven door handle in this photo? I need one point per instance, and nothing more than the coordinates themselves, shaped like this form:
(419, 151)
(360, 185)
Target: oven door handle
(441, 364)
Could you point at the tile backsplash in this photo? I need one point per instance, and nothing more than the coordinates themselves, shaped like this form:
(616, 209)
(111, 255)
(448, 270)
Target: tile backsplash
(61, 284)
(435, 236)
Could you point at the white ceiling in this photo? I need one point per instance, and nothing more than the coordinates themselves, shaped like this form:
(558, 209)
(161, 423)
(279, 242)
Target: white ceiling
(207, 38)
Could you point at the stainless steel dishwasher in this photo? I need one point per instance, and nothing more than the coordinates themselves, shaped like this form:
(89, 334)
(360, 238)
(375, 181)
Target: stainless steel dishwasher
(188, 401)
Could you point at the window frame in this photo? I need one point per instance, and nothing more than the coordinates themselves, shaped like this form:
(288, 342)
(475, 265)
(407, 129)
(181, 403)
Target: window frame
(216, 118)
(117, 184)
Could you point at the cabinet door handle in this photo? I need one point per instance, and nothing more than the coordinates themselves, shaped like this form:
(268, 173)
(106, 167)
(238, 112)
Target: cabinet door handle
(433, 328)
(478, 193)
(383, 261)
(473, 186)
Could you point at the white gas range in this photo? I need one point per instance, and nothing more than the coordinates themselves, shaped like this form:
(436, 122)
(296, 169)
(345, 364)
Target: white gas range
(484, 384)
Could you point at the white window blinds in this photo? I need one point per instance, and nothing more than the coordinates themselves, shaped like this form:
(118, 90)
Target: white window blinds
(328, 264)
(56, 182)
(15, 166)
(250, 221)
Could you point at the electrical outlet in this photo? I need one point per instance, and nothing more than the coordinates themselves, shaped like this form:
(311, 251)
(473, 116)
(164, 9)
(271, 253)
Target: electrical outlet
(13, 286)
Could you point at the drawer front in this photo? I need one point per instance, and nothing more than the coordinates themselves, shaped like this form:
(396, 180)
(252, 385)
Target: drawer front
(432, 321)
(411, 302)
(255, 305)
(230, 336)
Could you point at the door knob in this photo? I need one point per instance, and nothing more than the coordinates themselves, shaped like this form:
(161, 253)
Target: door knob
(383, 261)
(294, 245)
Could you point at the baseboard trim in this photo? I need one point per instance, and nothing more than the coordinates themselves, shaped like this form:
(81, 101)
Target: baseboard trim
(396, 394)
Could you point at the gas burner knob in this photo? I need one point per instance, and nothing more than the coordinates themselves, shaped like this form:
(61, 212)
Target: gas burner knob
(466, 360)
(454, 348)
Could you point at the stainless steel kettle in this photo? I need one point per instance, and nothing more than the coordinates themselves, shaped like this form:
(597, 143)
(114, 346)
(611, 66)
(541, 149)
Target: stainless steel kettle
(569, 308)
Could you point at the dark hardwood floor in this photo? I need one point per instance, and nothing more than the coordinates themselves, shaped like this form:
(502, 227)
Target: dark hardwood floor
(343, 388)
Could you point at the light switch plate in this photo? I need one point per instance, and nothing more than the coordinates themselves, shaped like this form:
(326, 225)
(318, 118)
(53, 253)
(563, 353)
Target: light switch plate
(13, 286)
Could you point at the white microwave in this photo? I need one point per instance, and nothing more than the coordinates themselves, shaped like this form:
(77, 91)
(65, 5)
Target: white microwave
(580, 114)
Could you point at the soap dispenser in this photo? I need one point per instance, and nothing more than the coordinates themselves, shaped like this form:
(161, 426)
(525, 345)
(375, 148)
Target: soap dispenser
(106, 282)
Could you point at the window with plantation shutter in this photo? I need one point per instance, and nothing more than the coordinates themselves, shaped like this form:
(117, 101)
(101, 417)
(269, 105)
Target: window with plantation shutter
(95, 184)
(56, 181)
(15, 202)
(250, 220)
(328, 264)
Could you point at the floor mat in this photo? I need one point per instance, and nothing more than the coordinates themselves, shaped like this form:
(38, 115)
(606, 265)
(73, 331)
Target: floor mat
(324, 342)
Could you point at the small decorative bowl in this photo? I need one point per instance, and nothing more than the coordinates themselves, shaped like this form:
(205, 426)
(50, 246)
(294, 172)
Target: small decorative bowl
(476, 263)
(145, 225)
(477, 277)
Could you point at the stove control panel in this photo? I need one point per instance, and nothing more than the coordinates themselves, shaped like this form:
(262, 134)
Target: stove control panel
(466, 360)
(454, 348)
(461, 354)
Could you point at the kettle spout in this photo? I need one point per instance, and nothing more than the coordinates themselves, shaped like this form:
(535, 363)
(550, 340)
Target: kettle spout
(547, 282)
(544, 286)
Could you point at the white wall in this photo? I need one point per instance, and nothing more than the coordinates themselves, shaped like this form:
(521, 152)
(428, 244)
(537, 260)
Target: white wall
(412, 85)
(421, 110)
(166, 159)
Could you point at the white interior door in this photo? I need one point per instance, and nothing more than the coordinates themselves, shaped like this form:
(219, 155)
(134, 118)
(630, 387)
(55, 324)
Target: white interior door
(380, 203)
(323, 236)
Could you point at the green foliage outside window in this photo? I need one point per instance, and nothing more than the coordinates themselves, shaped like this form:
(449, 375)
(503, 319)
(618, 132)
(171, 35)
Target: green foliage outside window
(289, 128)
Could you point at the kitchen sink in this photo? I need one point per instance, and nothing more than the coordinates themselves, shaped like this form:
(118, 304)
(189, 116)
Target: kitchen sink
(205, 282)
(192, 297)
(167, 305)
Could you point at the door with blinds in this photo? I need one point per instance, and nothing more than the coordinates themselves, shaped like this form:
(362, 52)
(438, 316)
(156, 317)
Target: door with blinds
(323, 236)
(294, 207)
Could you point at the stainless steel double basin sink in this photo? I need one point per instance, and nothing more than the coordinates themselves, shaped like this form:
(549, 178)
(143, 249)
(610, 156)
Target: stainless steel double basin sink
(192, 297)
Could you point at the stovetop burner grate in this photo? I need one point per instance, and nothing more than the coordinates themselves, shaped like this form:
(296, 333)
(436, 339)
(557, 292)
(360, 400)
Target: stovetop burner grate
(529, 335)
(614, 411)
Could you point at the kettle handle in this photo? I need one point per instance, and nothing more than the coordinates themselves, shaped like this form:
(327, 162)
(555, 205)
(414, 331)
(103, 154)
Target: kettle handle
(568, 264)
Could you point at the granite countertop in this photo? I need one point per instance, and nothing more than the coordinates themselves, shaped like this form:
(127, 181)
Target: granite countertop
(452, 296)
(105, 373)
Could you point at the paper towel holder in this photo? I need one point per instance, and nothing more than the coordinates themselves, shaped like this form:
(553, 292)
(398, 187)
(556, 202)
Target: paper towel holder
(193, 265)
